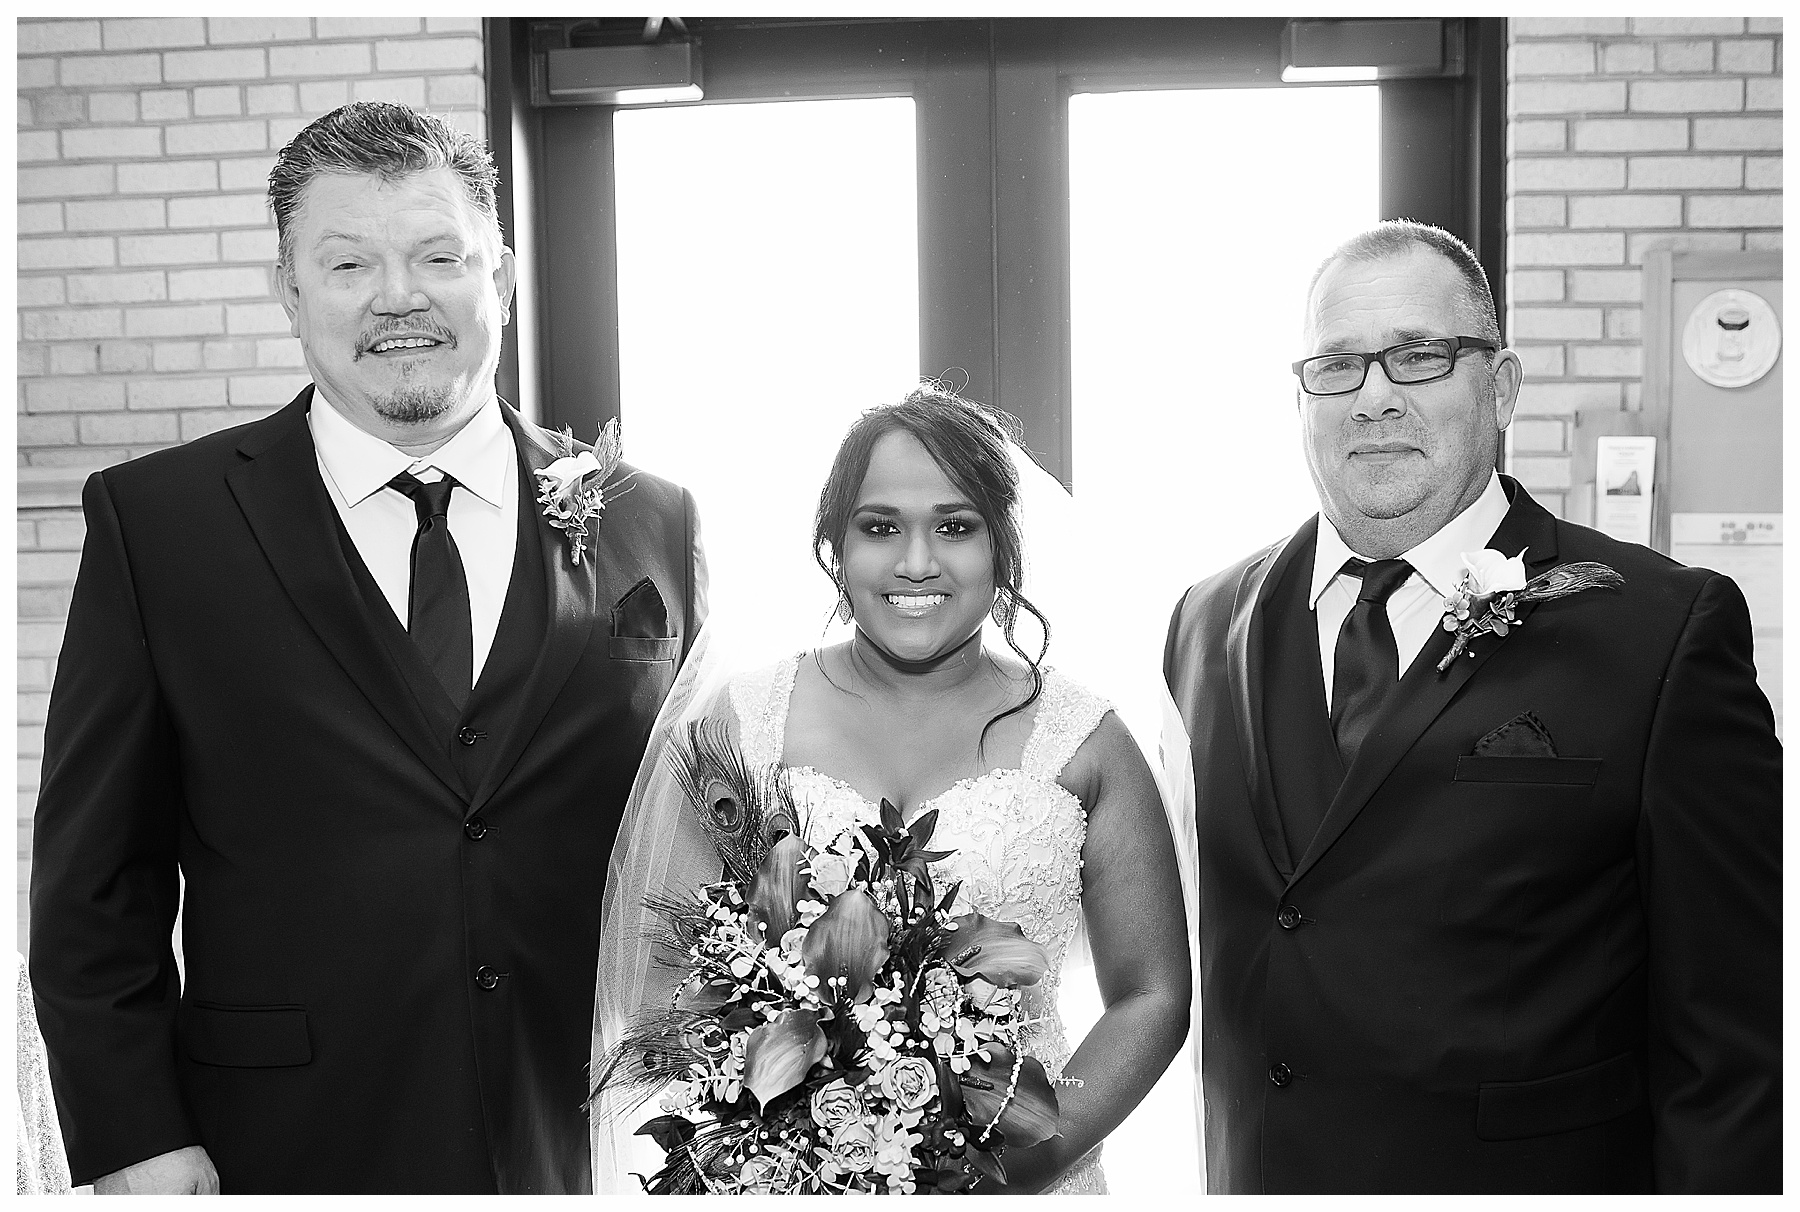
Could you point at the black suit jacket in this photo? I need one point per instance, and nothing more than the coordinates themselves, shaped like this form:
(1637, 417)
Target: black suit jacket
(224, 711)
(1495, 973)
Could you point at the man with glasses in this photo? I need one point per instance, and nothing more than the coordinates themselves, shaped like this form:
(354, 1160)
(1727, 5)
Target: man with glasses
(1488, 902)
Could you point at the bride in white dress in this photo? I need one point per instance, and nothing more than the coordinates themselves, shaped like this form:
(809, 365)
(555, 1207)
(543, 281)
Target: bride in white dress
(1053, 815)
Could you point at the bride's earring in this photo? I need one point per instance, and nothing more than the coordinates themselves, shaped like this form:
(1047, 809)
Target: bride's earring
(844, 612)
(1006, 608)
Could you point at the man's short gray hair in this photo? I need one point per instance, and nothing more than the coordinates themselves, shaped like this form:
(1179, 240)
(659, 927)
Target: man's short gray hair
(1394, 237)
(386, 139)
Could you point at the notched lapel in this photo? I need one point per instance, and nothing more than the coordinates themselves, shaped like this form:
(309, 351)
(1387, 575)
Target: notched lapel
(283, 499)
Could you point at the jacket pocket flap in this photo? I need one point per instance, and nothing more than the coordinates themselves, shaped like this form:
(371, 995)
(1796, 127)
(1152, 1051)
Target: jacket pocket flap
(1579, 1098)
(245, 1037)
(1574, 771)
(643, 648)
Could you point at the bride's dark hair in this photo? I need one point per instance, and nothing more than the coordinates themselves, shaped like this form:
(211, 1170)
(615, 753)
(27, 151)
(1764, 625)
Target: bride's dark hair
(970, 442)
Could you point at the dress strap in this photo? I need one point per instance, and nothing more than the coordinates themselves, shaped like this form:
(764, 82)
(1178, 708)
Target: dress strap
(759, 699)
(1067, 713)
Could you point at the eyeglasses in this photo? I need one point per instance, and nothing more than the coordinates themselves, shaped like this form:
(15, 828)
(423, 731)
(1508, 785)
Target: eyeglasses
(1337, 374)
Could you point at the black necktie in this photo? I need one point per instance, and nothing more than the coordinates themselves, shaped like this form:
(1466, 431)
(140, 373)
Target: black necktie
(1366, 665)
(437, 608)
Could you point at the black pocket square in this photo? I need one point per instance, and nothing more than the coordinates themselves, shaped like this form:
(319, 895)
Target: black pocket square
(1522, 736)
(641, 614)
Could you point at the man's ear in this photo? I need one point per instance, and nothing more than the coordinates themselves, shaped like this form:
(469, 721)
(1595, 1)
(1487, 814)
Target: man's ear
(506, 279)
(1509, 374)
(289, 294)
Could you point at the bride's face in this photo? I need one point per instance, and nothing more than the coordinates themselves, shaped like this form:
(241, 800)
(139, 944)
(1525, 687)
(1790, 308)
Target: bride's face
(918, 560)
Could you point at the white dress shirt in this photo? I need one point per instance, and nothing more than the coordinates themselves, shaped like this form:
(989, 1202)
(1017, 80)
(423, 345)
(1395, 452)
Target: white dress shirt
(484, 514)
(1417, 607)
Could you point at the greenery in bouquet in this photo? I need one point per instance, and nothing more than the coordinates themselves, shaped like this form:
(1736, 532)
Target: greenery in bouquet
(836, 1027)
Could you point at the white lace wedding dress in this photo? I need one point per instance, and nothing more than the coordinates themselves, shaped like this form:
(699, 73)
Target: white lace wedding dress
(1017, 836)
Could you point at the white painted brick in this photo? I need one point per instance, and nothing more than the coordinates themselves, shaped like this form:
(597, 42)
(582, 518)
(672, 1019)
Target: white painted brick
(1557, 324)
(37, 73)
(1760, 172)
(1638, 243)
(366, 27)
(453, 25)
(1762, 94)
(1571, 248)
(130, 427)
(403, 90)
(279, 352)
(169, 177)
(36, 218)
(1539, 210)
(1625, 210)
(329, 59)
(124, 357)
(1625, 324)
(219, 210)
(229, 355)
(1621, 58)
(117, 214)
(429, 55)
(167, 393)
(1541, 361)
(257, 244)
(283, 130)
(34, 362)
(199, 424)
(1606, 285)
(47, 431)
(66, 252)
(163, 104)
(186, 248)
(1552, 59)
(205, 320)
(1538, 399)
(41, 292)
(218, 101)
(1737, 134)
(1667, 27)
(1548, 173)
(253, 390)
(74, 395)
(78, 324)
(110, 71)
(323, 96)
(1764, 25)
(1688, 56)
(1567, 96)
(1687, 96)
(61, 109)
(270, 99)
(71, 359)
(1537, 436)
(1763, 239)
(57, 37)
(1608, 361)
(245, 282)
(1734, 210)
(1537, 472)
(255, 319)
(448, 92)
(88, 459)
(212, 138)
(1686, 172)
(142, 287)
(1535, 286)
(112, 108)
(246, 173)
(1566, 27)
(112, 143)
(145, 33)
(36, 146)
(208, 65)
(176, 356)
(1632, 134)
(225, 30)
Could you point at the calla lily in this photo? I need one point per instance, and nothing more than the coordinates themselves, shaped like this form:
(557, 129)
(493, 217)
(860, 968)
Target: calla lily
(778, 1054)
(1029, 1116)
(997, 952)
(780, 886)
(850, 940)
(571, 468)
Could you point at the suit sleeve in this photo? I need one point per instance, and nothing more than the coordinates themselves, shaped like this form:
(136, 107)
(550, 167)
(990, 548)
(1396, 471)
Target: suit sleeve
(1710, 867)
(104, 881)
(696, 582)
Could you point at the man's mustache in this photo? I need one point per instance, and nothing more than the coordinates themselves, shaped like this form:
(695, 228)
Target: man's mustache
(408, 328)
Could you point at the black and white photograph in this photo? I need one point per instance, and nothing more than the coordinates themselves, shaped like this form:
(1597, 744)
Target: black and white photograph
(1066, 605)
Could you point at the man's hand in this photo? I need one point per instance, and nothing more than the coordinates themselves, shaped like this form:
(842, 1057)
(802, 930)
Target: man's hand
(186, 1171)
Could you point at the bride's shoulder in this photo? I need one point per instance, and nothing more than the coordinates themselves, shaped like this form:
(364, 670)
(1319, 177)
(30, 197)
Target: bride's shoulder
(752, 691)
(1069, 694)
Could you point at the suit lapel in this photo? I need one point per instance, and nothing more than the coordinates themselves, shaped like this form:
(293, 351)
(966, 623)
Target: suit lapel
(283, 498)
(1423, 692)
(1244, 664)
(573, 595)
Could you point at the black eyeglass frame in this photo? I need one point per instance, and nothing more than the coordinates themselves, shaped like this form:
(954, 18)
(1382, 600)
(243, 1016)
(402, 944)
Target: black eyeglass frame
(1457, 345)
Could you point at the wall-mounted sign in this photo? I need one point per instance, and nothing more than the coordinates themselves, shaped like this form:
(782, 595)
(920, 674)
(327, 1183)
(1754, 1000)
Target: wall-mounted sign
(1732, 338)
(1625, 478)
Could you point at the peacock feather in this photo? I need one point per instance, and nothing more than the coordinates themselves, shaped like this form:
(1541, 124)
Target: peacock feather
(742, 810)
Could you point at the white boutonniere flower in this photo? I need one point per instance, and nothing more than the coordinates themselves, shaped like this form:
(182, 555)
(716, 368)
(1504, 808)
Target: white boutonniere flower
(1493, 586)
(1489, 572)
(573, 489)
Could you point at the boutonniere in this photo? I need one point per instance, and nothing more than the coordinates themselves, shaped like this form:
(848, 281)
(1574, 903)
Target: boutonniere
(1492, 587)
(572, 490)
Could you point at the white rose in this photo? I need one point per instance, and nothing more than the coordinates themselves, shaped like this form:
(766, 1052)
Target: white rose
(831, 873)
(1490, 572)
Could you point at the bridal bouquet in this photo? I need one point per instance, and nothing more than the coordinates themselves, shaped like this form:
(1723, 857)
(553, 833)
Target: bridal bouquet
(837, 1028)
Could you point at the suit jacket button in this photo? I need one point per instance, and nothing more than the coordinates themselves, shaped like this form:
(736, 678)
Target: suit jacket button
(1288, 917)
(486, 977)
(1279, 1074)
(469, 736)
(475, 828)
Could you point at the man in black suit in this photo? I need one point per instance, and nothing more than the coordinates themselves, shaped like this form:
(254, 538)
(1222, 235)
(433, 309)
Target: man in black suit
(338, 672)
(1509, 926)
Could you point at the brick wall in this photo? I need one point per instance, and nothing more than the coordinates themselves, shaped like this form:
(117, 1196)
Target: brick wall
(1625, 132)
(146, 312)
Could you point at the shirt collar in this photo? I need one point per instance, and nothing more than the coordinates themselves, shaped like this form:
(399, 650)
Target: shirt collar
(361, 464)
(1438, 559)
